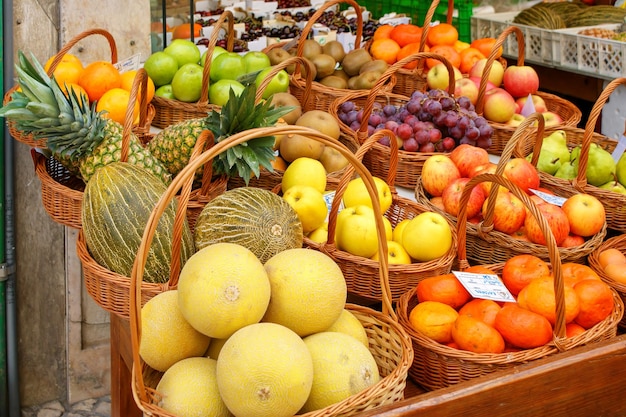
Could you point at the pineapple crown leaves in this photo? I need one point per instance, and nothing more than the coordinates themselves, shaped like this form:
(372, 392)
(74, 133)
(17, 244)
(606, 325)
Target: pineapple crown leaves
(241, 113)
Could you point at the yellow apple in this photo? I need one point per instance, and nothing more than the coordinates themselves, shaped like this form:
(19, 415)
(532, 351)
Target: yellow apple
(304, 171)
(309, 204)
(399, 229)
(396, 254)
(319, 235)
(356, 194)
(356, 231)
(428, 236)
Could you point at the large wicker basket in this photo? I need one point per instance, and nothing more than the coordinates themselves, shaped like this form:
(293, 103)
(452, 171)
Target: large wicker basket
(436, 365)
(170, 111)
(29, 139)
(613, 202)
(569, 113)
(488, 246)
(389, 343)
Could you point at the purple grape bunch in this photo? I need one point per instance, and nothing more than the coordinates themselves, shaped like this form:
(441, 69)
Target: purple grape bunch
(430, 121)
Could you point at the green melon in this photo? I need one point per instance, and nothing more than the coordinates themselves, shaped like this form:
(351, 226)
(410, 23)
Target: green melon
(117, 203)
(251, 217)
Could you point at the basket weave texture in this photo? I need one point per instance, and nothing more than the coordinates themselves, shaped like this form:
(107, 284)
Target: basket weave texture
(437, 366)
(486, 245)
(389, 344)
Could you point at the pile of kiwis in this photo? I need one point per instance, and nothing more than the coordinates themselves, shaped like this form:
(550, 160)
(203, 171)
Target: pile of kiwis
(334, 67)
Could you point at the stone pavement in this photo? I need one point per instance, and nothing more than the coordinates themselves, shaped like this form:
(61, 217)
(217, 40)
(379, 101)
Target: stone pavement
(93, 407)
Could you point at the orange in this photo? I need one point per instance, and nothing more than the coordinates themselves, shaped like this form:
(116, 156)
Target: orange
(127, 84)
(410, 49)
(443, 288)
(573, 272)
(616, 272)
(279, 163)
(434, 319)
(519, 270)
(573, 329)
(539, 296)
(522, 328)
(480, 269)
(385, 49)
(596, 302)
(460, 46)
(474, 335)
(442, 34)
(115, 103)
(485, 45)
(447, 52)
(382, 31)
(76, 88)
(611, 256)
(67, 71)
(484, 310)
(183, 31)
(99, 77)
(406, 33)
(469, 56)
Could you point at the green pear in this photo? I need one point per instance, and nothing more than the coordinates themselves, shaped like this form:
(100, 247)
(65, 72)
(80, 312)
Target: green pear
(567, 171)
(600, 165)
(614, 186)
(620, 169)
(556, 143)
(548, 162)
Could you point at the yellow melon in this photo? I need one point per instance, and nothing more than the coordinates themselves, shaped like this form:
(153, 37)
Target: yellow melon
(348, 323)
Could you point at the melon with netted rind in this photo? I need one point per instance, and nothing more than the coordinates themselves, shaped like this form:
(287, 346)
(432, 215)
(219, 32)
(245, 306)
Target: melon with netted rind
(222, 288)
(264, 370)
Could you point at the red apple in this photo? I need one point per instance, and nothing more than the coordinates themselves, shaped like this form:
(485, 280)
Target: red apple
(551, 119)
(571, 241)
(466, 87)
(437, 172)
(520, 234)
(466, 157)
(509, 212)
(482, 169)
(522, 173)
(498, 105)
(496, 74)
(585, 213)
(437, 202)
(557, 221)
(451, 198)
(476, 80)
(520, 80)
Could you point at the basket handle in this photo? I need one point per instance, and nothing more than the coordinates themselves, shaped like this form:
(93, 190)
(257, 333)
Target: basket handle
(581, 179)
(495, 53)
(297, 60)
(553, 252)
(382, 80)
(183, 178)
(428, 18)
(59, 56)
(140, 81)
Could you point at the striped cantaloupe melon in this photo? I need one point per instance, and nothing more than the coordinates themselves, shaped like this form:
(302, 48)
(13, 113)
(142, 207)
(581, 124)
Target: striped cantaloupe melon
(117, 203)
(252, 217)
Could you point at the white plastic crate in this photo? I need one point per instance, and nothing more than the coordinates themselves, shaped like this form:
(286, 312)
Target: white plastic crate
(591, 55)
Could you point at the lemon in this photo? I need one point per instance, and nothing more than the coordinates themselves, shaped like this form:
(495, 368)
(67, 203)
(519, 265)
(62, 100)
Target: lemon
(264, 370)
(348, 323)
(166, 337)
(308, 290)
(222, 288)
(304, 171)
(189, 388)
(342, 367)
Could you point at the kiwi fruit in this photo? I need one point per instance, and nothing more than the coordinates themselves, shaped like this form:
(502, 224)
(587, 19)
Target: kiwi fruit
(334, 49)
(324, 65)
(375, 65)
(334, 82)
(353, 61)
(311, 48)
(341, 73)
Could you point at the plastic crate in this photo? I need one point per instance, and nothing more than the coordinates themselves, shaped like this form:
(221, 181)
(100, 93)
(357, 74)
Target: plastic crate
(461, 16)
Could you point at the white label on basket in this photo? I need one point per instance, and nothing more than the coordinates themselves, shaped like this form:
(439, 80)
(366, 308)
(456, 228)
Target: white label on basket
(485, 286)
(129, 64)
(619, 148)
(549, 198)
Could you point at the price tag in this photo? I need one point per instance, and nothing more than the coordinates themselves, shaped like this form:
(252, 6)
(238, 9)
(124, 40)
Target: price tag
(485, 286)
(128, 64)
(619, 148)
(329, 196)
(529, 107)
(549, 198)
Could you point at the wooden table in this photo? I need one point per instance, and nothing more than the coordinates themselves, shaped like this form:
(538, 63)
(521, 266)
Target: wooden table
(586, 381)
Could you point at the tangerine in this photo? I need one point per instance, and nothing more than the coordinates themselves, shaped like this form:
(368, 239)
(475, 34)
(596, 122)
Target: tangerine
(406, 33)
(99, 77)
(382, 32)
(523, 328)
(573, 272)
(484, 310)
(474, 335)
(183, 31)
(469, 56)
(128, 78)
(480, 269)
(67, 71)
(442, 34)
(434, 320)
(114, 103)
(410, 49)
(385, 49)
(448, 52)
(596, 302)
(485, 45)
(573, 329)
(539, 296)
(519, 270)
(611, 256)
(443, 288)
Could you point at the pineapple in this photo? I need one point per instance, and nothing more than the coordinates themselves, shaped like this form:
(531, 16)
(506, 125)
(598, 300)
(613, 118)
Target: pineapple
(174, 144)
(78, 136)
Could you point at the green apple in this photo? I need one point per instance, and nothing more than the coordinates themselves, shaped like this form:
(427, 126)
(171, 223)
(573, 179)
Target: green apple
(256, 61)
(165, 91)
(219, 91)
(227, 66)
(427, 236)
(278, 84)
(187, 83)
(161, 68)
(217, 50)
(184, 51)
(356, 231)
(356, 194)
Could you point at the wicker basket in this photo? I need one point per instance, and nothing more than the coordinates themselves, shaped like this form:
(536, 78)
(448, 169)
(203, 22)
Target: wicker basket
(378, 157)
(171, 111)
(29, 139)
(62, 192)
(569, 113)
(616, 242)
(613, 202)
(360, 272)
(488, 246)
(436, 365)
(389, 343)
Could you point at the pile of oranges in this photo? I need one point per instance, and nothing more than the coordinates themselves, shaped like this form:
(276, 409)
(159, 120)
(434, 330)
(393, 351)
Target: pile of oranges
(101, 82)
(393, 43)
(448, 314)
